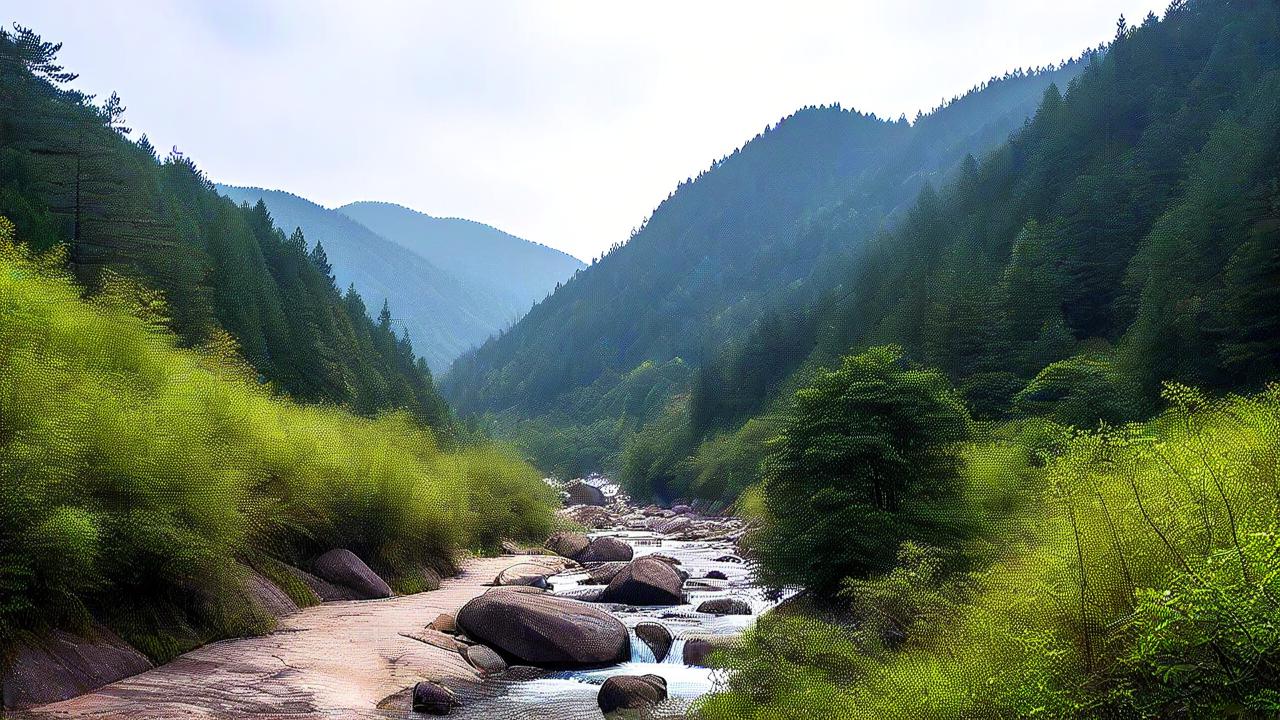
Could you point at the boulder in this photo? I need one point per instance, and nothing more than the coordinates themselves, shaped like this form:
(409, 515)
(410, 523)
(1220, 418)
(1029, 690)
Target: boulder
(265, 596)
(567, 544)
(696, 652)
(664, 558)
(581, 493)
(646, 582)
(61, 665)
(342, 567)
(605, 549)
(657, 637)
(444, 623)
(725, 606)
(603, 573)
(631, 692)
(716, 575)
(671, 526)
(323, 589)
(542, 629)
(682, 509)
(433, 698)
(485, 660)
(532, 572)
(590, 516)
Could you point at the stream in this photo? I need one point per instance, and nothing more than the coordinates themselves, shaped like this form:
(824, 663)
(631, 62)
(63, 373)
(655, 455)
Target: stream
(572, 694)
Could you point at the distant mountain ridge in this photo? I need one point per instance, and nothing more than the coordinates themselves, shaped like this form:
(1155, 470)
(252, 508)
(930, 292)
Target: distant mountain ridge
(444, 312)
(518, 271)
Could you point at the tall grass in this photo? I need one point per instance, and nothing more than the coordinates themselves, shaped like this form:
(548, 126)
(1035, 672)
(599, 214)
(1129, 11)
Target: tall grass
(137, 479)
(1135, 574)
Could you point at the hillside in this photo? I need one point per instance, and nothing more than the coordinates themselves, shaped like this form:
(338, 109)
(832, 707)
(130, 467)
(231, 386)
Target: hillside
(516, 271)
(738, 242)
(1061, 275)
(443, 315)
(75, 182)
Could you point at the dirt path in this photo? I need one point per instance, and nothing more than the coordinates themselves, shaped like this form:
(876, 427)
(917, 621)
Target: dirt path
(334, 660)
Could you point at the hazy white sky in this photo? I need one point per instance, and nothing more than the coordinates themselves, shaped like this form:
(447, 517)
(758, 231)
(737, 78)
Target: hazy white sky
(564, 122)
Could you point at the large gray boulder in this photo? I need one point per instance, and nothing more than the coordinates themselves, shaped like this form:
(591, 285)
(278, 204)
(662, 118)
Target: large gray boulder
(725, 606)
(567, 544)
(631, 692)
(61, 665)
(485, 660)
(605, 549)
(342, 567)
(646, 581)
(581, 493)
(545, 630)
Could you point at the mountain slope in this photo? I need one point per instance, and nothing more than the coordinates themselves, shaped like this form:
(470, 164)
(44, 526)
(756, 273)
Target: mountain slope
(516, 271)
(128, 222)
(722, 251)
(443, 315)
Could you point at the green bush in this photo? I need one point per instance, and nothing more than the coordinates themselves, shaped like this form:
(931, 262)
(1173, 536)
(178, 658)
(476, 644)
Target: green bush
(138, 478)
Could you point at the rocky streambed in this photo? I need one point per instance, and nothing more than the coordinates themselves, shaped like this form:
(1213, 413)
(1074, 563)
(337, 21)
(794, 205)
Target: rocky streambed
(630, 626)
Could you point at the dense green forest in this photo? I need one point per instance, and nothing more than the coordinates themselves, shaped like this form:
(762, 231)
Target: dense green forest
(1124, 237)
(70, 175)
(751, 235)
(1027, 465)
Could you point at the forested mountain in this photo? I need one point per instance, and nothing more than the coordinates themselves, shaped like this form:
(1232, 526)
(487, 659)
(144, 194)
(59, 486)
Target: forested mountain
(738, 242)
(516, 271)
(1127, 236)
(71, 177)
(442, 313)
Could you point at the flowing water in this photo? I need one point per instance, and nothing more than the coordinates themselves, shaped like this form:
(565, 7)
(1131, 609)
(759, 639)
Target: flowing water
(572, 694)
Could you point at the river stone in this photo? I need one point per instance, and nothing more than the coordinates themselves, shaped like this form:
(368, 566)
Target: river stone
(681, 509)
(342, 567)
(444, 623)
(605, 549)
(725, 606)
(266, 596)
(646, 582)
(657, 637)
(61, 665)
(631, 692)
(485, 660)
(591, 516)
(545, 630)
(581, 493)
(603, 573)
(532, 573)
(433, 698)
(567, 544)
(696, 652)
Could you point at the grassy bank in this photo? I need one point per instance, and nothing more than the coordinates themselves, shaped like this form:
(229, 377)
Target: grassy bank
(1125, 572)
(138, 478)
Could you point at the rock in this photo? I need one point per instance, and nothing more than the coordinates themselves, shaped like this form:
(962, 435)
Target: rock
(436, 638)
(590, 516)
(725, 606)
(696, 652)
(646, 582)
(567, 544)
(444, 623)
(342, 567)
(651, 510)
(671, 526)
(323, 589)
(533, 573)
(664, 558)
(433, 698)
(485, 660)
(581, 493)
(267, 597)
(716, 575)
(657, 637)
(61, 665)
(682, 509)
(605, 549)
(603, 573)
(729, 559)
(631, 692)
(543, 629)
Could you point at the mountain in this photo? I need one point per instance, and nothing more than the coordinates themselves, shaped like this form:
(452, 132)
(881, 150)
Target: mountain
(1127, 237)
(443, 315)
(748, 236)
(516, 271)
(152, 232)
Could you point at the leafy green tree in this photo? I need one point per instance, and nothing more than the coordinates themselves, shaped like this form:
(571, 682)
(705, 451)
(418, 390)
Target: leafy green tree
(864, 462)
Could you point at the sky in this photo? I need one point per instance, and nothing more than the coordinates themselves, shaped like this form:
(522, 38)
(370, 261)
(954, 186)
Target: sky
(562, 121)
